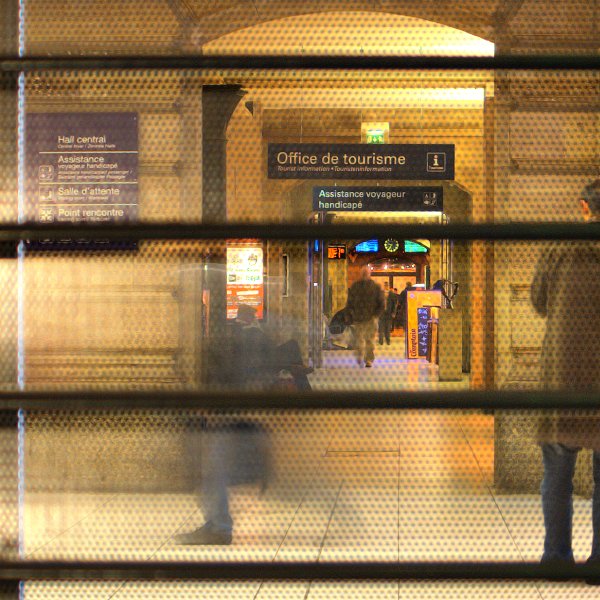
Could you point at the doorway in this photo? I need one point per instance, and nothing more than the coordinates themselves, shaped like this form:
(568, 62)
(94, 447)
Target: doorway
(395, 261)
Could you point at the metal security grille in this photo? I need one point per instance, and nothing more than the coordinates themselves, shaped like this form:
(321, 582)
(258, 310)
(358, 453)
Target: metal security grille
(126, 400)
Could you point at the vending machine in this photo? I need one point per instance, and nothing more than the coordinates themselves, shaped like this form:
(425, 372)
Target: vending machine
(421, 307)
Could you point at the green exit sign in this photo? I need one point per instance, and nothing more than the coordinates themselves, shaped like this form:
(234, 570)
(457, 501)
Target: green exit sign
(375, 136)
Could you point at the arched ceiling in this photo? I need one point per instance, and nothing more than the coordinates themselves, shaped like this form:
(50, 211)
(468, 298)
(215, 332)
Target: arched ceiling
(172, 27)
(213, 20)
(189, 26)
(353, 33)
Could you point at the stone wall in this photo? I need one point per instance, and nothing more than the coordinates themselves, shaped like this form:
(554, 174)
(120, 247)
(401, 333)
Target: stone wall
(546, 151)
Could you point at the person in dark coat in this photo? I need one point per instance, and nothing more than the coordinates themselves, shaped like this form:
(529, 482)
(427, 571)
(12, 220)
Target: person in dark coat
(566, 292)
(400, 319)
(365, 303)
(250, 352)
(257, 360)
(387, 316)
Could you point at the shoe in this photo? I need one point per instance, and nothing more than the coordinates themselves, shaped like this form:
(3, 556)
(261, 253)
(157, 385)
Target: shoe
(204, 536)
(368, 364)
(300, 370)
(594, 562)
(558, 564)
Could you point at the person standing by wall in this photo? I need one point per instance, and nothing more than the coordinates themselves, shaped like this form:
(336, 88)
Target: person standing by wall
(566, 291)
(365, 304)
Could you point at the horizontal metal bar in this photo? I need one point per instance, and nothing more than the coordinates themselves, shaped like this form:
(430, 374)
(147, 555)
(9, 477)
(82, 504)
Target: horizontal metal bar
(317, 400)
(563, 62)
(288, 571)
(274, 231)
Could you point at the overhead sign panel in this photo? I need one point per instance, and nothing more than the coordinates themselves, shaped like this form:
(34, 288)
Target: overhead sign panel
(360, 199)
(361, 161)
(367, 246)
(414, 247)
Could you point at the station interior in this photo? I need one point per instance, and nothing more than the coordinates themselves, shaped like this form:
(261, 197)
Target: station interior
(262, 143)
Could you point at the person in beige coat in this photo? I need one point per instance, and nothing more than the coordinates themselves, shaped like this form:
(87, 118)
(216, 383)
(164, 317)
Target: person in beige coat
(566, 291)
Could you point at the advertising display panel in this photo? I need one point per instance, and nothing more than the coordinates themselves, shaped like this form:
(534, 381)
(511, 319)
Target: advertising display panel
(245, 281)
(81, 167)
(421, 305)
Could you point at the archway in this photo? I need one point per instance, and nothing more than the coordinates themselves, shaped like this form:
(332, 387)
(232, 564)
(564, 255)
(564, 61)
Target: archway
(333, 107)
(413, 32)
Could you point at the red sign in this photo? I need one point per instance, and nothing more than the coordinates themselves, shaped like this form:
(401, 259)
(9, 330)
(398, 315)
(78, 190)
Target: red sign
(252, 295)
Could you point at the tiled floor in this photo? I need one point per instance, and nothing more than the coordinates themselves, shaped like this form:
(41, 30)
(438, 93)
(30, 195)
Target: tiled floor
(389, 372)
(407, 485)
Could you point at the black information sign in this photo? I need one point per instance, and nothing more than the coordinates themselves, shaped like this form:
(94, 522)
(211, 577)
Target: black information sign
(359, 199)
(361, 161)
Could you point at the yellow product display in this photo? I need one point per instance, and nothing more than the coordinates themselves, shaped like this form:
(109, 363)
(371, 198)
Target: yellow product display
(421, 305)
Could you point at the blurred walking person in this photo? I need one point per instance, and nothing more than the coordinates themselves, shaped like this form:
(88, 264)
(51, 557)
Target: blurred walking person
(365, 304)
